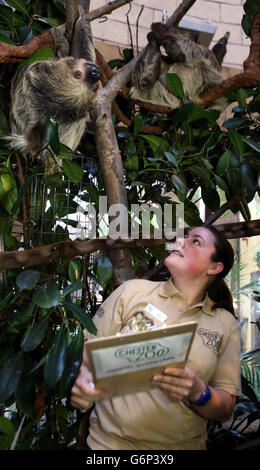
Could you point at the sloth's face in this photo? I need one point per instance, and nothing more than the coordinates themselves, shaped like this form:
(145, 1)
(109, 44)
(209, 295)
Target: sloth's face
(87, 72)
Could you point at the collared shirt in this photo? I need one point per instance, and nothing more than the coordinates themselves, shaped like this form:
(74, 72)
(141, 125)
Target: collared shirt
(148, 420)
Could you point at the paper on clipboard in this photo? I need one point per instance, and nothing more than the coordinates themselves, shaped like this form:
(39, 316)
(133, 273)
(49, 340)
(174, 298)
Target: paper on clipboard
(126, 363)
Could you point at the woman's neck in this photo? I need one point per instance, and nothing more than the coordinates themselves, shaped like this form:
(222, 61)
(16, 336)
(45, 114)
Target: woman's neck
(193, 291)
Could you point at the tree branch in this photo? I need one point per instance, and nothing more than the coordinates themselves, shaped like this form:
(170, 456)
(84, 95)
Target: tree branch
(180, 12)
(71, 16)
(251, 75)
(110, 159)
(71, 249)
(10, 53)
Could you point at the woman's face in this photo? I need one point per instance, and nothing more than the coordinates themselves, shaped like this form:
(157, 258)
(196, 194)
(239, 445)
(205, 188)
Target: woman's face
(192, 255)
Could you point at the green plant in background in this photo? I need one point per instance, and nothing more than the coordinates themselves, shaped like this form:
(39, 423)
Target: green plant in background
(44, 309)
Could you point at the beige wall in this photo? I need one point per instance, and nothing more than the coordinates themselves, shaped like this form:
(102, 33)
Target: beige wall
(226, 15)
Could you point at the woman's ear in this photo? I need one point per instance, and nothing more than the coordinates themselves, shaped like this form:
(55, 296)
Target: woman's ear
(215, 268)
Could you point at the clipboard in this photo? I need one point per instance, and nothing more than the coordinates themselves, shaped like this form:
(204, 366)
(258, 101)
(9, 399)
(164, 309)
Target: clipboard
(126, 363)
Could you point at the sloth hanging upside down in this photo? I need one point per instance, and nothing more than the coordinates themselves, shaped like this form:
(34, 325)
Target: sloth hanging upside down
(197, 67)
(64, 89)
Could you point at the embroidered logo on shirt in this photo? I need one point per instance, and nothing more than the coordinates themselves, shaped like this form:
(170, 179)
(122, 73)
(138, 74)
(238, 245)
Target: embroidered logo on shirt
(212, 339)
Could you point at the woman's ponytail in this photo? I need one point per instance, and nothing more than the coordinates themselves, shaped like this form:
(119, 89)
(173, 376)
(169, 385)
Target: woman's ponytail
(219, 292)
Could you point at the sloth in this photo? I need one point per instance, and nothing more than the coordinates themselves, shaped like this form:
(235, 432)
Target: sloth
(63, 89)
(197, 67)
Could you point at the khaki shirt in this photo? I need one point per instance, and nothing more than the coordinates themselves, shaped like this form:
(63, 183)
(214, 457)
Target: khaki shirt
(149, 420)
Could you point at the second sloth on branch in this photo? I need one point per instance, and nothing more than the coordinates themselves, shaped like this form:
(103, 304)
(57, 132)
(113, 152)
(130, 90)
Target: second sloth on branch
(197, 67)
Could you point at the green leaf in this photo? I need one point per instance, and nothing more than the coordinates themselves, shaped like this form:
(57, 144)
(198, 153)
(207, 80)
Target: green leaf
(54, 180)
(7, 426)
(82, 316)
(72, 170)
(191, 214)
(61, 234)
(223, 163)
(77, 285)
(23, 317)
(200, 113)
(66, 152)
(55, 362)
(12, 19)
(211, 198)
(74, 270)
(5, 38)
(27, 279)
(115, 63)
(36, 335)
(53, 22)
(130, 148)
(5, 301)
(241, 97)
(232, 123)
(23, 190)
(237, 141)
(139, 121)
(202, 173)
(6, 225)
(9, 375)
(51, 135)
(73, 361)
(19, 5)
(234, 179)
(25, 395)
(179, 184)
(251, 144)
(248, 182)
(132, 164)
(41, 54)
(154, 142)
(46, 296)
(182, 113)
(8, 188)
(175, 84)
(221, 183)
(171, 158)
(104, 270)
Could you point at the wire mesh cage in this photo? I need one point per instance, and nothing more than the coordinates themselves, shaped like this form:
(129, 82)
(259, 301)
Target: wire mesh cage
(63, 209)
(60, 208)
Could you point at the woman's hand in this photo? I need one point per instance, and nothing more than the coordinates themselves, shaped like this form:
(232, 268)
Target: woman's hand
(178, 384)
(83, 392)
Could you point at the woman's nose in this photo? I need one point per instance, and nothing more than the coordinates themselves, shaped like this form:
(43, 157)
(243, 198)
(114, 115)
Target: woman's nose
(180, 242)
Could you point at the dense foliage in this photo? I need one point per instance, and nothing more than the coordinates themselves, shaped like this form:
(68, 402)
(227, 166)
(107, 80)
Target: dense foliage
(41, 314)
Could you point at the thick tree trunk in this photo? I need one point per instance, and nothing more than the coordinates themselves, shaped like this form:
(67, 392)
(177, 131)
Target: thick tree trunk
(111, 163)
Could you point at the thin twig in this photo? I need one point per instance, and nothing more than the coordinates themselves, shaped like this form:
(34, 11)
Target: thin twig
(137, 27)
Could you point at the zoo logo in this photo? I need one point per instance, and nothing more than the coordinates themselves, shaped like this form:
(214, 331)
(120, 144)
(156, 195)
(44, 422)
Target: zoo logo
(142, 352)
(212, 339)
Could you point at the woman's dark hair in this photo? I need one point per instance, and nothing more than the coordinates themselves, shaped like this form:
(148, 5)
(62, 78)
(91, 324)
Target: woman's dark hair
(218, 290)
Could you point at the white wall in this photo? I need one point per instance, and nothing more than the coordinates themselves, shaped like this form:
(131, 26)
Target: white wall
(226, 15)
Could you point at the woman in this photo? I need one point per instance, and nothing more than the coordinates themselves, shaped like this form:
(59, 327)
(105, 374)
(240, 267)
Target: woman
(174, 414)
